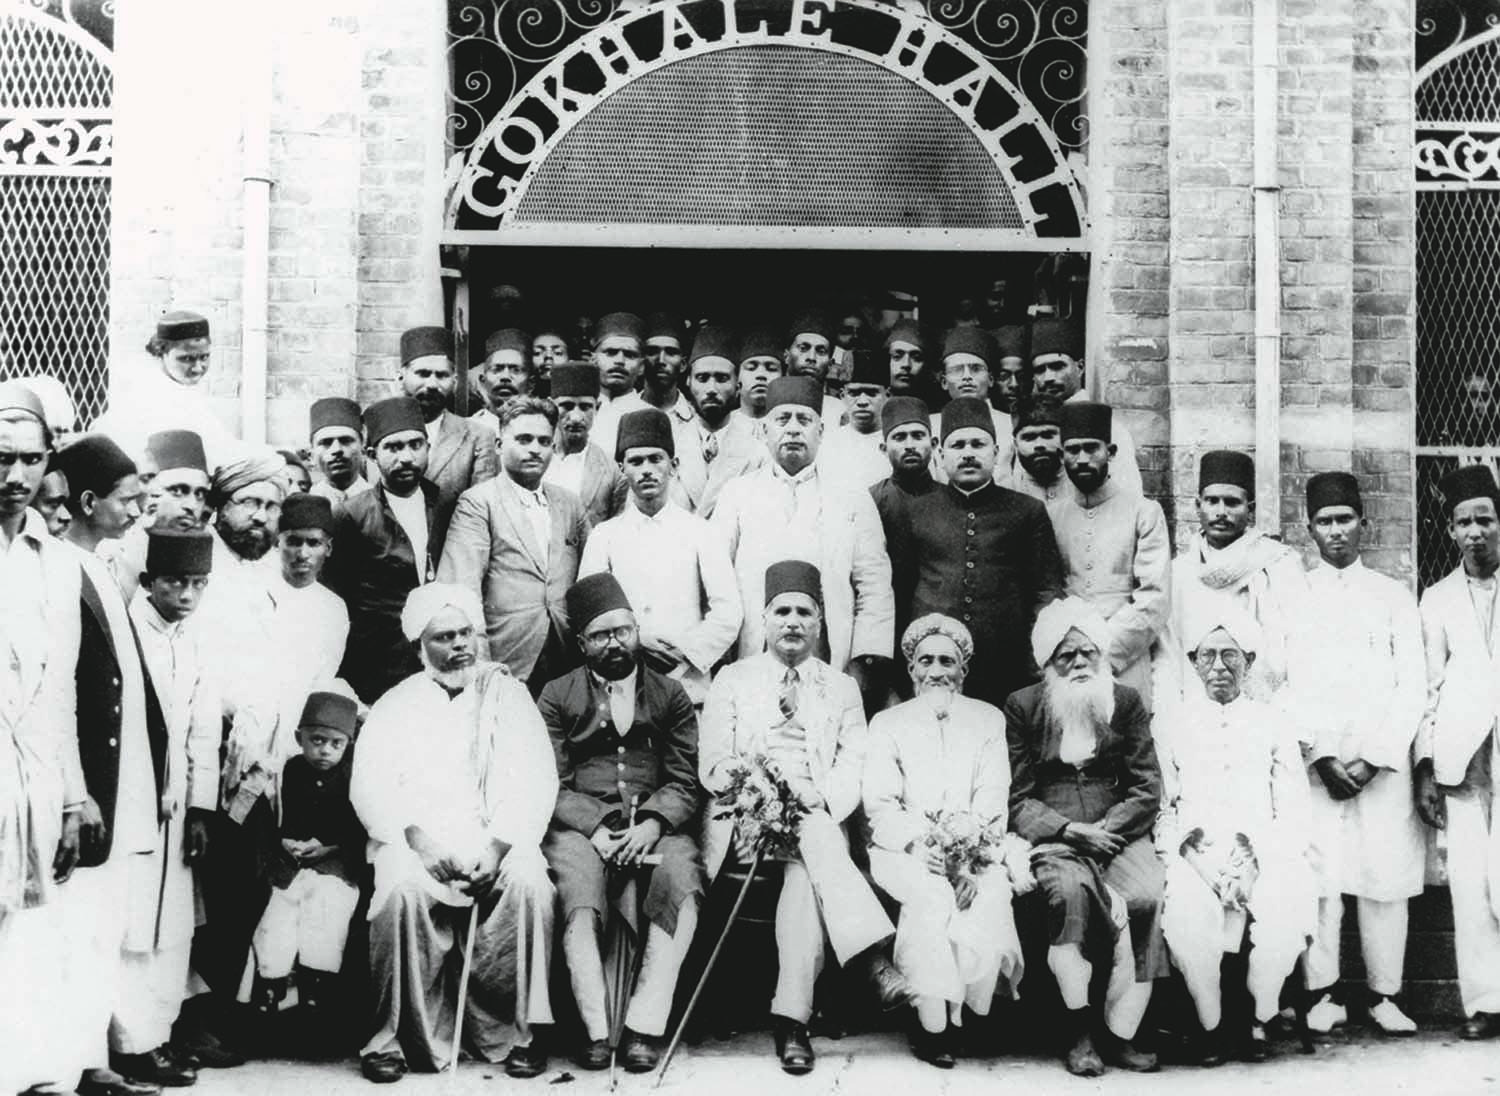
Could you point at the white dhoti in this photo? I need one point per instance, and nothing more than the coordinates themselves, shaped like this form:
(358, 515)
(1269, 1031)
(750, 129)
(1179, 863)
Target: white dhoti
(90, 929)
(1476, 923)
(306, 921)
(159, 916)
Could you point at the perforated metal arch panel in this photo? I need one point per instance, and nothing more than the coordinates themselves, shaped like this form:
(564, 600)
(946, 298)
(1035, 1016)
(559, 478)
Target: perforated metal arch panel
(771, 135)
(1464, 89)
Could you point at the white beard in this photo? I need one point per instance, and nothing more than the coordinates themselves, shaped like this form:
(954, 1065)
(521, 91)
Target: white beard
(1080, 709)
(452, 680)
(939, 697)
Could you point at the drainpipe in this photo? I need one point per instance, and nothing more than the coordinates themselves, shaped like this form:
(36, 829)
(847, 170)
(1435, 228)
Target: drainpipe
(256, 210)
(1267, 273)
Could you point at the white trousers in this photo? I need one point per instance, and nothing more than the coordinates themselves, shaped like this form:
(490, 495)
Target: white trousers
(1125, 999)
(90, 927)
(308, 920)
(651, 1000)
(151, 988)
(1476, 932)
(1382, 943)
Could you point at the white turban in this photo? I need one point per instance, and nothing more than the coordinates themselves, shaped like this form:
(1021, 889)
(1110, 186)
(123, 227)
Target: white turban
(56, 403)
(935, 624)
(1061, 617)
(426, 602)
(1221, 613)
(249, 464)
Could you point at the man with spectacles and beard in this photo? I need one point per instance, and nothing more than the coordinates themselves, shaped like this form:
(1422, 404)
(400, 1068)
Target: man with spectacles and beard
(716, 445)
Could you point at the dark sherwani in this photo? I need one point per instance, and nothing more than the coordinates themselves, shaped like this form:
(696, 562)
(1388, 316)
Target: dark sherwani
(599, 771)
(894, 497)
(1119, 788)
(316, 805)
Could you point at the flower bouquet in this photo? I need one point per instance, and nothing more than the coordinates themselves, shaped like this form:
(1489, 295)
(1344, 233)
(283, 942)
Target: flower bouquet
(968, 845)
(767, 813)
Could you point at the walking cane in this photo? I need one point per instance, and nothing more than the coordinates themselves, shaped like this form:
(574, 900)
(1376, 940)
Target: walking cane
(463, 990)
(708, 969)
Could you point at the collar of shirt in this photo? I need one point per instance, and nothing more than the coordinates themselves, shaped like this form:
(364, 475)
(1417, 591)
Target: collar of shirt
(1107, 490)
(33, 530)
(529, 498)
(602, 684)
(633, 514)
(681, 410)
(149, 615)
(434, 428)
(1324, 572)
(967, 495)
(802, 477)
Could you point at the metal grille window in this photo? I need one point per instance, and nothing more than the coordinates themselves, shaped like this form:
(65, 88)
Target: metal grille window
(56, 89)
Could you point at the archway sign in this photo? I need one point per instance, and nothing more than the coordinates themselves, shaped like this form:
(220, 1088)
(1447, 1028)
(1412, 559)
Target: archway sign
(811, 123)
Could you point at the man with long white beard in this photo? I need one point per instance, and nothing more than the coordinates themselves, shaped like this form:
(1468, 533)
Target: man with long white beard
(454, 782)
(942, 754)
(1233, 833)
(1085, 787)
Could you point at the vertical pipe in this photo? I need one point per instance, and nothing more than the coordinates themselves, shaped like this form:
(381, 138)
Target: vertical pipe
(1267, 273)
(256, 200)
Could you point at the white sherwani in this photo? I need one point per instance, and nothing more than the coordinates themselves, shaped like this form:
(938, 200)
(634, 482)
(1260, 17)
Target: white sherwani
(919, 765)
(676, 573)
(853, 459)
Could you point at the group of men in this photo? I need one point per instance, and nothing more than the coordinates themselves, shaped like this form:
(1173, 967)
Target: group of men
(495, 679)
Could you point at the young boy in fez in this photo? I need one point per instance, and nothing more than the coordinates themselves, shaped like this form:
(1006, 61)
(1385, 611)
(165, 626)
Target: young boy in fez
(314, 874)
(579, 464)
(334, 431)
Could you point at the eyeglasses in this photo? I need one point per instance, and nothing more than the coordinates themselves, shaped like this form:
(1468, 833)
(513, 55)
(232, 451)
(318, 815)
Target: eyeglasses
(1231, 657)
(601, 638)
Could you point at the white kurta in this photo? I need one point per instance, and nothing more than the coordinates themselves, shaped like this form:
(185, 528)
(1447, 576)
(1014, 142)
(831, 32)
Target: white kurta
(853, 459)
(143, 401)
(676, 573)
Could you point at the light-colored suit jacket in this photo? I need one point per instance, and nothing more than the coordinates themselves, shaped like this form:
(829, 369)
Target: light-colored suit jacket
(697, 484)
(603, 489)
(489, 550)
(463, 455)
(1463, 678)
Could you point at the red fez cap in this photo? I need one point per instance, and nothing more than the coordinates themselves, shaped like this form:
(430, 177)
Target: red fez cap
(900, 410)
(716, 342)
(302, 511)
(864, 368)
(761, 342)
(591, 597)
(1084, 419)
(907, 331)
(1468, 481)
(793, 576)
(575, 379)
(94, 463)
(626, 324)
(1227, 466)
(386, 417)
(1012, 341)
(648, 428)
(970, 340)
(332, 411)
(15, 396)
(329, 712)
(1036, 411)
(802, 391)
(509, 338)
(965, 412)
(176, 326)
(426, 342)
(177, 449)
(169, 552)
(1333, 489)
(1056, 337)
(813, 322)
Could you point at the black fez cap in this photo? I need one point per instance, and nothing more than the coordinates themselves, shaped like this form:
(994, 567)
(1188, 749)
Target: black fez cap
(967, 411)
(177, 449)
(94, 463)
(715, 341)
(1038, 410)
(813, 322)
(426, 342)
(303, 511)
(864, 368)
(761, 342)
(329, 712)
(1333, 489)
(391, 416)
(900, 410)
(1227, 466)
(169, 552)
(648, 428)
(593, 596)
(575, 379)
(176, 326)
(15, 396)
(1469, 481)
(1056, 337)
(626, 324)
(665, 325)
(793, 576)
(907, 331)
(332, 411)
(971, 340)
(509, 338)
(802, 391)
(1085, 419)
(1012, 341)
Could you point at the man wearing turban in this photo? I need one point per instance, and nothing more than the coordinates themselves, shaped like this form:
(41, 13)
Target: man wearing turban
(454, 782)
(1084, 791)
(942, 754)
(1233, 833)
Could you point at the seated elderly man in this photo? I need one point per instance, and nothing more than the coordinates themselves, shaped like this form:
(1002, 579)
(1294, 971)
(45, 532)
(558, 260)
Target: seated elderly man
(798, 711)
(1233, 832)
(455, 784)
(1085, 788)
(626, 740)
(940, 761)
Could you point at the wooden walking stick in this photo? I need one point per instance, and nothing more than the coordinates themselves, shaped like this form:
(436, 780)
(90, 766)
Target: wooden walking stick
(463, 990)
(708, 969)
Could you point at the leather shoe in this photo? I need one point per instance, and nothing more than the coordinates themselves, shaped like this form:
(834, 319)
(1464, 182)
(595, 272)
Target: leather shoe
(524, 1062)
(1082, 1059)
(891, 987)
(593, 1054)
(1256, 1046)
(383, 1069)
(638, 1052)
(934, 1048)
(156, 1067)
(106, 1082)
(1482, 1025)
(1123, 1054)
(203, 1051)
(793, 1047)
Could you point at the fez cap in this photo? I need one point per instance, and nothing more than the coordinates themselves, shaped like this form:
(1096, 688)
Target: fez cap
(864, 368)
(970, 340)
(426, 342)
(907, 331)
(333, 411)
(666, 325)
(169, 552)
(1036, 411)
(715, 341)
(648, 428)
(1227, 466)
(760, 342)
(625, 324)
(793, 576)
(1012, 341)
(591, 597)
(1085, 419)
(1469, 481)
(812, 322)
(170, 449)
(293, 458)
(329, 712)
(1056, 337)
(15, 396)
(575, 379)
(94, 463)
(964, 412)
(802, 391)
(509, 338)
(302, 511)
(176, 326)
(1333, 489)
(900, 410)
(391, 416)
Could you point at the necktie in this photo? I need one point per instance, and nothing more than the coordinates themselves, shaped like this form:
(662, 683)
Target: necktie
(710, 447)
(788, 698)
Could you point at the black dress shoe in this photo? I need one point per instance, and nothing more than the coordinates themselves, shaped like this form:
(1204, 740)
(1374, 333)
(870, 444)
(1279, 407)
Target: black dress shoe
(383, 1069)
(593, 1054)
(793, 1047)
(934, 1048)
(524, 1062)
(157, 1068)
(1208, 1048)
(106, 1082)
(1124, 1054)
(1482, 1025)
(203, 1051)
(891, 987)
(638, 1052)
(1256, 1045)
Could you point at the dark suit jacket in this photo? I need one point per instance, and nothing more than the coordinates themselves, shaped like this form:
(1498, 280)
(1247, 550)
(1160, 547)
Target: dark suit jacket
(373, 569)
(657, 760)
(1119, 787)
(101, 714)
(463, 454)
